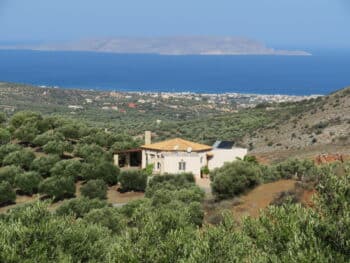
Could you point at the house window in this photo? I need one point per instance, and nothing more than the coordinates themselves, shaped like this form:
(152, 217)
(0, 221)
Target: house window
(159, 166)
(182, 166)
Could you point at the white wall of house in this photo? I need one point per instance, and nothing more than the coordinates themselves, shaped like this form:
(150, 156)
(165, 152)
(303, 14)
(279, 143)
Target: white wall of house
(221, 156)
(190, 163)
(168, 162)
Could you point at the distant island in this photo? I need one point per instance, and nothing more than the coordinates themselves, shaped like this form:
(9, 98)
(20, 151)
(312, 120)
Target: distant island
(198, 45)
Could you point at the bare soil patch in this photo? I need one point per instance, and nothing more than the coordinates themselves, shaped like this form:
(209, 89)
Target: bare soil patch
(260, 197)
(248, 204)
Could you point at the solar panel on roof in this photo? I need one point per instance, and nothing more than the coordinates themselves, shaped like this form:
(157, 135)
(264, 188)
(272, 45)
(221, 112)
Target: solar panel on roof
(225, 145)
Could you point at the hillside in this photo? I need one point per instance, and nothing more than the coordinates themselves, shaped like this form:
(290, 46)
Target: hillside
(272, 131)
(318, 126)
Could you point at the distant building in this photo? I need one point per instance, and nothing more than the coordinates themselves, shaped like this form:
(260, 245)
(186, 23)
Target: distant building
(75, 107)
(179, 156)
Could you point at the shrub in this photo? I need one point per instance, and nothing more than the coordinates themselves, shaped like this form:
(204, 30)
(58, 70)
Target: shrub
(8, 173)
(205, 170)
(297, 168)
(170, 182)
(5, 136)
(28, 182)
(133, 181)
(44, 164)
(196, 213)
(163, 195)
(22, 158)
(108, 217)
(94, 189)
(23, 117)
(80, 206)
(67, 168)
(149, 169)
(8, 148)
(7, 195)
(57, 187)
(46, 137)
(104, 170)
(26, 132)
(91, 152)
(234, 178)
(57, 147)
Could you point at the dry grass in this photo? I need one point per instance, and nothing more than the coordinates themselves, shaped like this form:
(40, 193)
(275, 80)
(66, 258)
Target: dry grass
(248, 204)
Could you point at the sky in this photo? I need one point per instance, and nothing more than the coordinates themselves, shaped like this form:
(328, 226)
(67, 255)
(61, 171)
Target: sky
(287, 23)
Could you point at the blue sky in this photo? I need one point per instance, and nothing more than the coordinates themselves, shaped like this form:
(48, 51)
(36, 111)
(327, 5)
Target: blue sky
(299, 23)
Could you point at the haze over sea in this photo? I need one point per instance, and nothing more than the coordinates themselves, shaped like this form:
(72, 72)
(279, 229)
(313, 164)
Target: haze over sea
(322, 73)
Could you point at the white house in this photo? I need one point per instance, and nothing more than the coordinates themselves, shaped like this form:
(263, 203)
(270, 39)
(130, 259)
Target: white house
(178, 155)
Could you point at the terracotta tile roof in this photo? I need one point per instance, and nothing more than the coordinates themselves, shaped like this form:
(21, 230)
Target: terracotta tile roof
(178, 145)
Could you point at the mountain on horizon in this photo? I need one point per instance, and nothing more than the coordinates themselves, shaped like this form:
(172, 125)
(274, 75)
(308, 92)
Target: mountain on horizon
(195, 45)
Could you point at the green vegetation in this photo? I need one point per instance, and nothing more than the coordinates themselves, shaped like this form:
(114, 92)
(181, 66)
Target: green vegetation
(168, 224)
(57, 187)
(133, 181)
(166, 227)
(234, 178)
(94, 189)
(237, 177)
(8, 173)
(7, 195)
(22, 158)
(28, 182)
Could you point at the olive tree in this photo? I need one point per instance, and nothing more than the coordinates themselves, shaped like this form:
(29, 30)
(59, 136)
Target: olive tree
(7, 195)
(57, 187)
(101, 169)
(94, 189)
(8, 173)
(234, 178)
(5, 136)
(44, 164)
(28, 182)
(22, 158)
(57, 147)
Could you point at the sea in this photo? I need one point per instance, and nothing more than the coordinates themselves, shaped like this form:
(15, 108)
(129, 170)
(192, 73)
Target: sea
(322, 73)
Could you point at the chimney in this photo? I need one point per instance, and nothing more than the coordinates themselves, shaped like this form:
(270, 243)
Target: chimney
(148, 137)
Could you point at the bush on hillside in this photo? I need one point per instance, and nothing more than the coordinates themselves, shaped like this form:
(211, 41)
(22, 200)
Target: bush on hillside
(170, 182)
(57, 187)
(73, 131)
(94, 189)
(44, 164)
(24, 117)
(163, 195)
(133, 181)
(57, 147)
(3, 117)
(8, 148)
(100, 169)
(7, 195)
(8, 173)
(22, 158)
(107, 217)
(28, 182)
(297, 168)
(5, 136)
(91, 152)
(67, 168)
(27, 132)
(80, 206)
(46, 137)
(234, 178)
